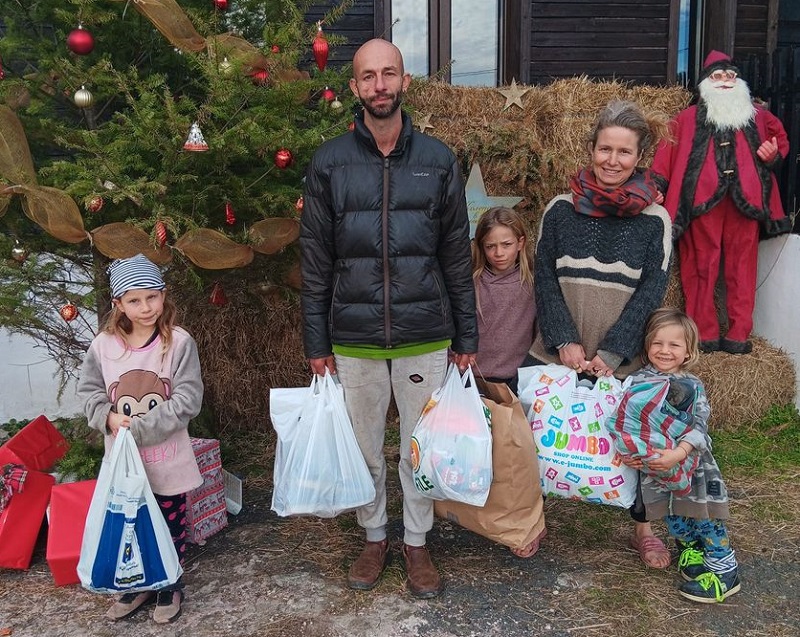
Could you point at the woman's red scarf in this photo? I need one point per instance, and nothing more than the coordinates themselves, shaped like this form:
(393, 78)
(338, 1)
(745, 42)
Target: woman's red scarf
(628, 200)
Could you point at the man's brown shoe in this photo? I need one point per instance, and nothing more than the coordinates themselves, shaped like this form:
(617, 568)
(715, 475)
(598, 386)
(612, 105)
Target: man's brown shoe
(366, 570)
(422, 577)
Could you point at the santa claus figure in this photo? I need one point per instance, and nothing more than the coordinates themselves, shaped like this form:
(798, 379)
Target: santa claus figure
(717, 173)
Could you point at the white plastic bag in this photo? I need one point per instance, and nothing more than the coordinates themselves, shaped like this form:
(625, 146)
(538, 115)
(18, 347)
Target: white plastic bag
(451, 447)
(319, 468)
(126, 542)
(577, 457)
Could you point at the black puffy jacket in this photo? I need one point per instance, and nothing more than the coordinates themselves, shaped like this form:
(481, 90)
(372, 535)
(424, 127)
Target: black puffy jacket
(384, 242)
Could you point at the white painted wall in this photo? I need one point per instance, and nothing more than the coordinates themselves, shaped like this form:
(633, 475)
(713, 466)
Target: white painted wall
(29, 382)
(777, 313)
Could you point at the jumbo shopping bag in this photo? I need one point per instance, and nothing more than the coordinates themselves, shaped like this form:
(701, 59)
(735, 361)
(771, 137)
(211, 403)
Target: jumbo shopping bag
(577, 458)
(319, 469)
(126, 543)
(514, 511)
(451, 446)
(646, 423)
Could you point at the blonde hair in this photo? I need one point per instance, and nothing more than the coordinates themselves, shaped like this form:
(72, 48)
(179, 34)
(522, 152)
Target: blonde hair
(508, 218)
(117, 324)
(495, 218)
(665, 316)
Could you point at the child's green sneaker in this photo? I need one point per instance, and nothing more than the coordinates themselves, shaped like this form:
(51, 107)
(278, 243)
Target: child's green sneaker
(690, 561)
(710, 588)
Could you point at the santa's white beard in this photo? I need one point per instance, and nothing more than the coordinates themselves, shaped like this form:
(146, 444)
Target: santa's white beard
(729, 108)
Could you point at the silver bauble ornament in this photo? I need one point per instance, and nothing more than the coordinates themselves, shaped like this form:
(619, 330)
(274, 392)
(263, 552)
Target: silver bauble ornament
(19, 253)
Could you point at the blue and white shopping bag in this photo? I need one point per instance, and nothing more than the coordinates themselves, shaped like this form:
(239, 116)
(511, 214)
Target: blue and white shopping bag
(126, 542)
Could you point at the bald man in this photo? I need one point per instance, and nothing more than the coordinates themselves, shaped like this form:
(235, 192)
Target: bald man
(387, 290)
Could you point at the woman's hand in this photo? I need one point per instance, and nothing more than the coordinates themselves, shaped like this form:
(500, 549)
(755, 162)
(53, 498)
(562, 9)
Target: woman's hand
(597, 367)
(633, 463)
(573, 355)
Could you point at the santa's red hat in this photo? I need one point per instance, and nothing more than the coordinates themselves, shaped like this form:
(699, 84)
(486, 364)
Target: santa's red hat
(716, 61)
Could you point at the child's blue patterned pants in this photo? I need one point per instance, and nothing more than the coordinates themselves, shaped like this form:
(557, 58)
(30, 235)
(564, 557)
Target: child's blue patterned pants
(710, 536)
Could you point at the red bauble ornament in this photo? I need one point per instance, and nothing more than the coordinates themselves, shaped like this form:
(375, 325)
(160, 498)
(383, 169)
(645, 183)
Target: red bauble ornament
(161, 233)
(283, 158)
(275, 48)
(95, 205)
(328, 95)
(80, 41)
(222, 5)
(2, 72)
(230, 217)
(320, 48)
(68, 312)
(260, 77)
(218, 296)
(298, 205)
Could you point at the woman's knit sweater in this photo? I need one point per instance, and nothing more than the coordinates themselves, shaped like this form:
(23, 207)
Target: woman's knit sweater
(597, 279)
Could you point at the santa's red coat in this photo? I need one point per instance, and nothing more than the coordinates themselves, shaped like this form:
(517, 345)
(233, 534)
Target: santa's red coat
(755, 191)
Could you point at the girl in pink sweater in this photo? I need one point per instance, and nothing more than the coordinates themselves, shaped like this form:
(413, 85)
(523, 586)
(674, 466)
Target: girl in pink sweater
(502, 269)
(503, 275)
(142, 372)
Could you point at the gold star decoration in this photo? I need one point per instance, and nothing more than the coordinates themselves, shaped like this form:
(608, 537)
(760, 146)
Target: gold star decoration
(513, 94)
(424, 122)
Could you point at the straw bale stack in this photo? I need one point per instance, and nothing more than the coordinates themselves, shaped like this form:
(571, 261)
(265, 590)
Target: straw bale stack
(254, 342)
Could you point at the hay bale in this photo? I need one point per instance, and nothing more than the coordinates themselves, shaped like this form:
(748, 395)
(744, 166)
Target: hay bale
(246, 347)
(254, 342)
(533, 151)
(741, 388)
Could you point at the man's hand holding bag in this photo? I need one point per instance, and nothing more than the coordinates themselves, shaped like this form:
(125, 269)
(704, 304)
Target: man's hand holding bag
(319, 468)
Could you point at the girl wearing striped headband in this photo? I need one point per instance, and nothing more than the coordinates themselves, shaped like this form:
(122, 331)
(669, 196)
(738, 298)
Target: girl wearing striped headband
(142, 372)
(140, 307)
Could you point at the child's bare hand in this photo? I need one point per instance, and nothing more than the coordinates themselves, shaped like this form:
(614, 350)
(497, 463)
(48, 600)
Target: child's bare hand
(115, 421)
(667, 459)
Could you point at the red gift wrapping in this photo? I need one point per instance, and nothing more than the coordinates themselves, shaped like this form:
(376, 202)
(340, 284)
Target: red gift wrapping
(69, 505)
(206, 511)
(21, 520)
(38, 445)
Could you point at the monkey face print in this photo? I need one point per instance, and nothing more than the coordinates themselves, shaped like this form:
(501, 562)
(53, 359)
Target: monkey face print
(137, 392)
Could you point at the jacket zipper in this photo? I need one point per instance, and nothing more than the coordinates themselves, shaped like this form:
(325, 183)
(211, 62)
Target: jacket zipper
(385, 235)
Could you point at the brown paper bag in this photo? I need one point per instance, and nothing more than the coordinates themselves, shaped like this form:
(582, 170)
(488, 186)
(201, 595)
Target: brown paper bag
(514, 512)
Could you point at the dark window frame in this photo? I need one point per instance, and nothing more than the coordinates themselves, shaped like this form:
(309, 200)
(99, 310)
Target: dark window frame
(514, 37)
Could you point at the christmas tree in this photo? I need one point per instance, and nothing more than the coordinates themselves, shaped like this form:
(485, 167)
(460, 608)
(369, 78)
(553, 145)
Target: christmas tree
(177, 128)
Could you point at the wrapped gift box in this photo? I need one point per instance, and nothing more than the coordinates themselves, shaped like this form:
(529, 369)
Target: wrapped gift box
(206, 511)
(21, 520)
(69, 505)
(38, 445)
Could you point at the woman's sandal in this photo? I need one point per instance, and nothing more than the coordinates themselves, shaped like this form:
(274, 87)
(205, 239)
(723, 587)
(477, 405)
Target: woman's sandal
(530, 550)
(651, 550)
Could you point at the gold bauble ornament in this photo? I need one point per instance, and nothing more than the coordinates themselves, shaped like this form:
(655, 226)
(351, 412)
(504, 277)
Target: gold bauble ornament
(83, 98)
